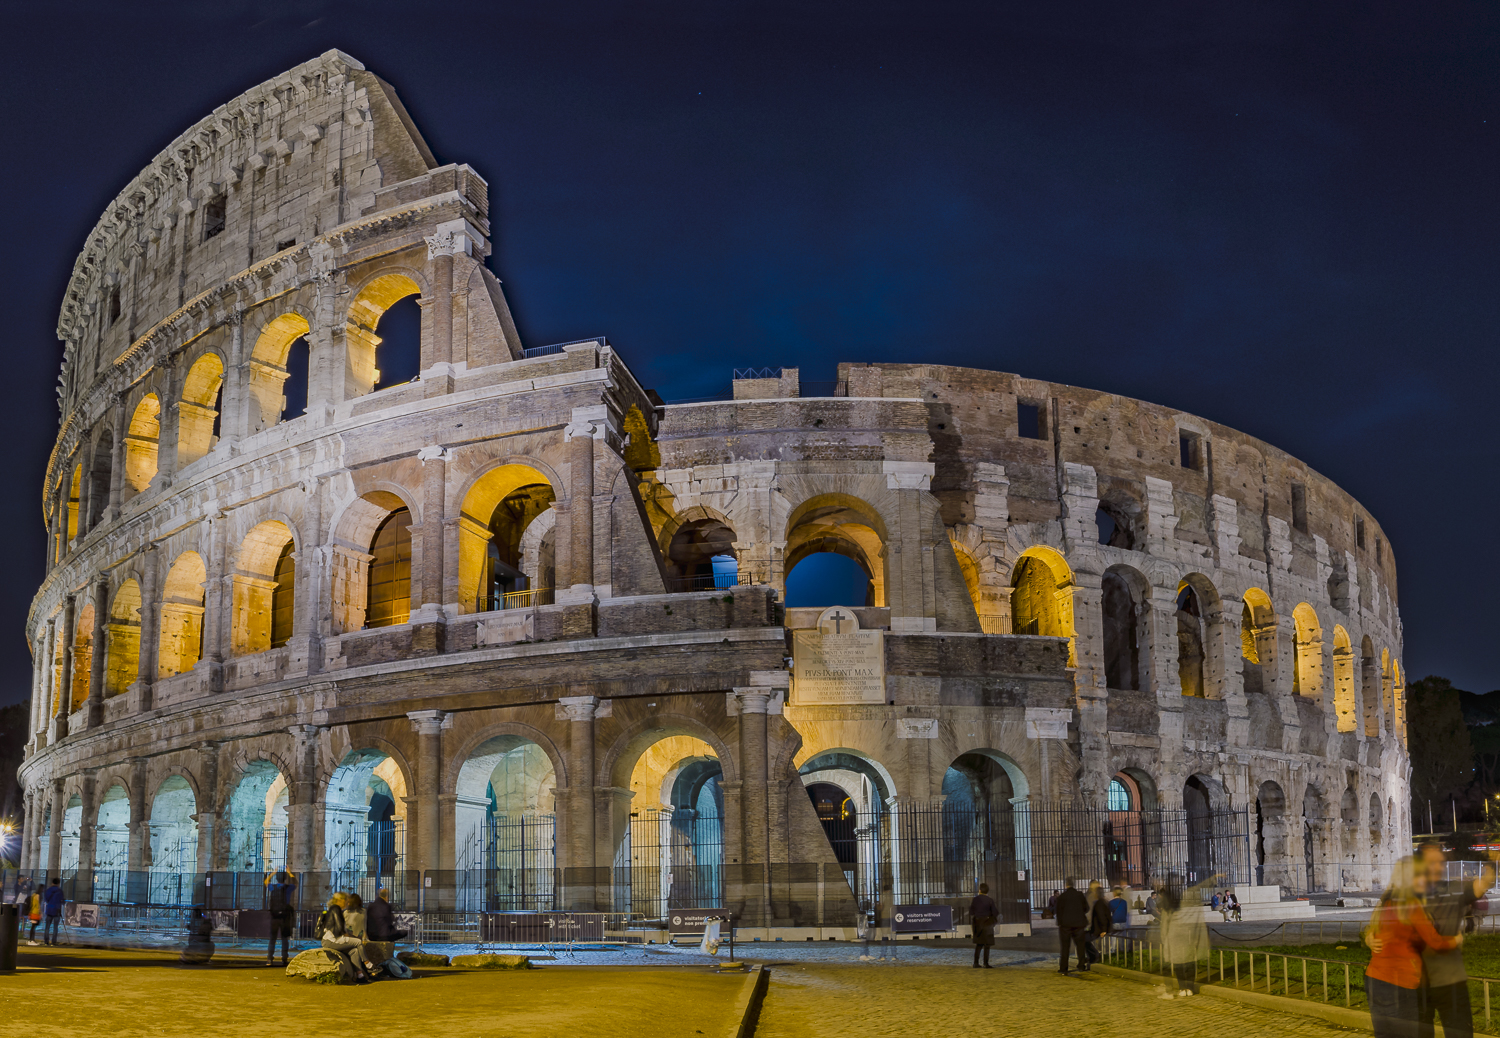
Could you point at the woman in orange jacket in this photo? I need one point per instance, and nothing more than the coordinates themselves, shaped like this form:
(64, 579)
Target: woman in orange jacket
(1398, 931)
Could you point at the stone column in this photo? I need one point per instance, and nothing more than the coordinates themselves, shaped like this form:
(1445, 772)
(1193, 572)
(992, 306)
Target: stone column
(233, 406)
(65, 679)
(580, 435)
(218, 590)
(28, 829)
(208, 806)
(304, 648)
(302, 797)
(88, 822)
(38, 720)
(138, 852)
(434, 483)
(54, 838)
(429, 725)
(754, 804)
(140, 688)
(117, 460)
(441, 254)
(95, 716)
(577, 804)
(167, 429)
(85, 491)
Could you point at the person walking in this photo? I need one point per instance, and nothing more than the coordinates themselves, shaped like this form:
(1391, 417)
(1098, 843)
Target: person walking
(1184, 937)
(983, 915)
(52, 902)
(1398, 933)
(1101, 920)
(281, 899)
(1072, 924)
(1449, 903)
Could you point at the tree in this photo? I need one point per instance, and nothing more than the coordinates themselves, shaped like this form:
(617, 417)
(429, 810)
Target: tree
(1442, 757)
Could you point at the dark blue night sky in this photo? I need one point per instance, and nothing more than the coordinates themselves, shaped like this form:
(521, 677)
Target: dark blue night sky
(1283, 217)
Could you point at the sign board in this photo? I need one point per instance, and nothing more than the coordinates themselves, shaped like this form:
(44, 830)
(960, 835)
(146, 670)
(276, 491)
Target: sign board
(75, 914)
(541, 927)
(837, 663)
(922, 918)
(693, 920)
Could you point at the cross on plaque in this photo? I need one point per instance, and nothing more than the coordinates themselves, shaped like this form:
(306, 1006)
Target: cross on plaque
(838, 621)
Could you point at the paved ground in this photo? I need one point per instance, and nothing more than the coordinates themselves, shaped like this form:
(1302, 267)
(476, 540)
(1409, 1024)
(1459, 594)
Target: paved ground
(1022, 998)
(79, 992)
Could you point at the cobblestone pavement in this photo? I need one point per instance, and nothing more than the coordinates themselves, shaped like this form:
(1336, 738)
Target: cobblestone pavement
(1023, 997)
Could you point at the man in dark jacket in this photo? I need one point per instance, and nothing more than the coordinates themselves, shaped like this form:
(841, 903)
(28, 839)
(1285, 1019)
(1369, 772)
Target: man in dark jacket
(1101, 920)
(380, 921)
(52, 908)
(1072, 923)
(983, 915)
(281, 899)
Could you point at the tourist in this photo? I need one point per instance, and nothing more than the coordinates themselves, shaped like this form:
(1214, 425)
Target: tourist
(200, 945)
(1184, 937)
(24, 887)
(1119, 909)
(1445, 983)
(1050, 912)
(1235, 902)
(34, 916)
(1214, 904)
(983, 915)
(354, 926)
(53, 909)
(1072, 923)
(1101, 920)
(337, 942)
(281, 899)
(1398, 933)
(380, 921)
(1153, 907)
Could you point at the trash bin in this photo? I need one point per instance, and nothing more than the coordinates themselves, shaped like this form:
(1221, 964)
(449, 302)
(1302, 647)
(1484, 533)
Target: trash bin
(10, 936)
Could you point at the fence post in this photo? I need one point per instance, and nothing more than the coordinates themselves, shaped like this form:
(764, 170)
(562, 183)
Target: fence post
(1347, 1003)
(1486, 1005)
(1325, 980)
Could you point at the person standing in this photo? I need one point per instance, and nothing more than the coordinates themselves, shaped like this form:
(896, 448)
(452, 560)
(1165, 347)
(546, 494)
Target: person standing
(281, 899)
(1184, 936)
(52, 902)
(983, 915)
(1101, 920)
(1072, 924)
(34, 916)
(1445, 984)
(1398, 933)
(24, 887)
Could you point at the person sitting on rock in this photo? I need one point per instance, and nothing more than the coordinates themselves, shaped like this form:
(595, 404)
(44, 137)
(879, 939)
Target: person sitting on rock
(337, 941)
(200, 945)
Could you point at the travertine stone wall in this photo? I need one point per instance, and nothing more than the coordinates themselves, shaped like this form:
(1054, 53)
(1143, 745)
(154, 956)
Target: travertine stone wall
(1005, 614)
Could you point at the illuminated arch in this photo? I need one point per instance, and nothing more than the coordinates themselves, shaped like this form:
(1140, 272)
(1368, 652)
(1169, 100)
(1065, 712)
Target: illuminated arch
(181, 644)
(83, 655)
(1307, 664)
(268, 366)
(199, 408)
(480, 503)
(122, 660)
(1344, 699)
(843, 525)
(1042, 597)
(264, 585)
(365, 311)
(74, 489)
(142, 439)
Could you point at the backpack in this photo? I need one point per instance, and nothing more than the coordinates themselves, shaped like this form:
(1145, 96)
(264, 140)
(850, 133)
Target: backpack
(276, 901)
(396, 969)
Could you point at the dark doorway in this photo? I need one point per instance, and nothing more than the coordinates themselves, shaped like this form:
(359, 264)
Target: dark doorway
(839, 818)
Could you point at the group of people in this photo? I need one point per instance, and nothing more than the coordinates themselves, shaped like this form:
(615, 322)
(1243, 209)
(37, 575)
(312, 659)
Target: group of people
(349, 931)
(42, 907)
(1416, 974)
(1082, 919)
(1226, 904)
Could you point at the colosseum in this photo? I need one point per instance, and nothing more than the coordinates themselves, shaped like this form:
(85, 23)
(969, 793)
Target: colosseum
(512, 634)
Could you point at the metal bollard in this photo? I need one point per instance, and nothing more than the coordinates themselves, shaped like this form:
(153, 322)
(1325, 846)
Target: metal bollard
(10, 936)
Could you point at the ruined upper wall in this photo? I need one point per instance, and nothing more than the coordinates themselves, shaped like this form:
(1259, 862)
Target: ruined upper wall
(284, 162)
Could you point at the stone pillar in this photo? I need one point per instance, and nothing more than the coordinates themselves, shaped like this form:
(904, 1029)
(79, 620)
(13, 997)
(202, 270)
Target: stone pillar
(218, 590)
(85, 491)
(305, 654)
(429, 725)
(580, 435)
(87, 823)
(302, 797)
(28, 829)
(117, 460)
(577, 804)
(441, 351)
(65, 679)
(434, 482)
(909, 583)
(168, 427)
(100, 634)
(54, 838)
(754, 804)
(140, 688)
(234, 411)
(138, 852)
(208, 806)
(39, 685)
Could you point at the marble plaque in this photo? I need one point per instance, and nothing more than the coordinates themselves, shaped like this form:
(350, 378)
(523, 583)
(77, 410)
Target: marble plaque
(837, 662)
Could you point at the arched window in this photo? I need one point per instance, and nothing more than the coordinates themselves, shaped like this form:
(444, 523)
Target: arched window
(141, 440)
(1369, 688)
(389, 597)
(262, 556)
(700, 556)
(1121, 591)
(283, 596)
(181, 643)
(75, 488)
(99, 477)
(1307, 674)
(270, 368)
(198, 412)
(1119, 796)
(83, 655)
(124, 632)
(367, 369)
(1190, 642)
(1257, 641)
(507, 584)
(498, 510)
(1343, 680)
(835, 524)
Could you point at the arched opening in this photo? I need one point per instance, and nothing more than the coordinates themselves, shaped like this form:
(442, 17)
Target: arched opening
(364, 812)
(1376, 833)
(142, 439)
(1257, 640)
(1314, 824)
(1198, 807)
(1369, 688)
(1271, 852)
(60, 698)
(1042, 599)
(123, 654)
(1132, 835)
(369, 365)
(968, 566)
(1343, 680)
(840, 525)
(497, 511)
(112, 836)
(1190, 639)
(505, 827)
(258, 820)
(174, 842)
(978, 814)
(388, 590)
(265, 561)
(270, 369)
(83, 656)
(1116, 525)
(99, 477)
(1307, 675)
(838, 814)
(673, 841)
(700, 556)
(75, 489)
(1398, 696)
(1125, 596)
(72, 829)
(181, 645)
(851, 795)
(198, 411)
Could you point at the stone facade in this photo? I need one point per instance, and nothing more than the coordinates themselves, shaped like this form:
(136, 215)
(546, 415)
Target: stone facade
(1074, 585)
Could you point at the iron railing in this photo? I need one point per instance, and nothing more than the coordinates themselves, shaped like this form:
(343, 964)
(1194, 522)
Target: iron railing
(539, 596)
